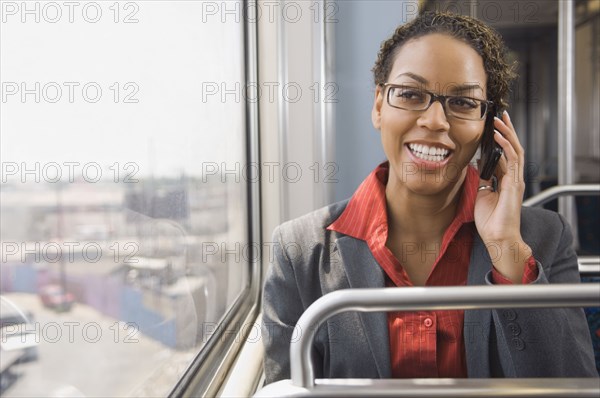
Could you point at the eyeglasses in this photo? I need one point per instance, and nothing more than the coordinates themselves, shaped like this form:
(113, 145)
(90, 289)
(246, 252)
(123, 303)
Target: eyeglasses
(414, 99)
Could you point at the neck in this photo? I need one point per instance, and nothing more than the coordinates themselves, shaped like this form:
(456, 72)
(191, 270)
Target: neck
(417, 217)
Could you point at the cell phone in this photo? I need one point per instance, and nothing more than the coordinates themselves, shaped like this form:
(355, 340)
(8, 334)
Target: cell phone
(490, 150)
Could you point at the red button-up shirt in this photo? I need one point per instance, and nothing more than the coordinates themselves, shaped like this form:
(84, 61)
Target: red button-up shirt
(422, 343)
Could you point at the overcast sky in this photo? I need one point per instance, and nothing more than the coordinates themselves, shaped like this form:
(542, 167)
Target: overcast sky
(162, 61)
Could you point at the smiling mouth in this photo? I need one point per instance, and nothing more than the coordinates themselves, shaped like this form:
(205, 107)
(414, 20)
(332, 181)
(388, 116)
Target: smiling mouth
(429, 153)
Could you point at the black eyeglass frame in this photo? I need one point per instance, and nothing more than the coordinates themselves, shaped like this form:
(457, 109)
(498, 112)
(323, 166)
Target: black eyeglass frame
(443, 99)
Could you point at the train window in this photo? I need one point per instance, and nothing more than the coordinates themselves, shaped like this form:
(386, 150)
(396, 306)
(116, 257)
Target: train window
(124, 224)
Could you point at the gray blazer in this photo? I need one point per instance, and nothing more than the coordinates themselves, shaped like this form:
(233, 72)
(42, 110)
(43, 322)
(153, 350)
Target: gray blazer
(310, 261)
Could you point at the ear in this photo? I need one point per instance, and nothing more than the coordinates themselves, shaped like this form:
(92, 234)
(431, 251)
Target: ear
(376, 111)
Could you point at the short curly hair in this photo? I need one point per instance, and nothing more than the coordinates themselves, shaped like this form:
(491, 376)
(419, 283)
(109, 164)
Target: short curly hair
(481, 37)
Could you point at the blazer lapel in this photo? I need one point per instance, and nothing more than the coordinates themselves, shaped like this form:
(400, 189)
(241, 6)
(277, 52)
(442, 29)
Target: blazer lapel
(363, 271)
(477, 322)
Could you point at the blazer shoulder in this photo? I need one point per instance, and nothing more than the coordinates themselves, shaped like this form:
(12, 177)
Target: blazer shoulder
(541, 214)
(541, 221)
(311, 226)
(545, 231)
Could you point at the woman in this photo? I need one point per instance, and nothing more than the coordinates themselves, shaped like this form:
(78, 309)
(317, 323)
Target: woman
(425, 218)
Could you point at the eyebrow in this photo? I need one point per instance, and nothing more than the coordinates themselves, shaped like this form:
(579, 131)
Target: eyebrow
(413, 76)
(466, 87)
(455, 88)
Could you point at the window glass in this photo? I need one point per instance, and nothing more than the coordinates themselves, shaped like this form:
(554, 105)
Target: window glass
(123, 202)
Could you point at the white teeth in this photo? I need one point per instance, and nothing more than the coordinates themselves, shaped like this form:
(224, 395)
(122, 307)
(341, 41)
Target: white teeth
(432, 154)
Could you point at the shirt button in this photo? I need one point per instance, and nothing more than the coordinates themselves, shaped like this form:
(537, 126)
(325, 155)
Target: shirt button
(428, 322)
(509, 315)
(514, 328)
(518, 343)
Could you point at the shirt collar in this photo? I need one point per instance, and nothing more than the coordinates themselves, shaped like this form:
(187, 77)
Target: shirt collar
(366, 211)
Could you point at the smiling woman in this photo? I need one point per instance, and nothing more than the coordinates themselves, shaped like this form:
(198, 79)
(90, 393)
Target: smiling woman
(149, 149)
(425, 217)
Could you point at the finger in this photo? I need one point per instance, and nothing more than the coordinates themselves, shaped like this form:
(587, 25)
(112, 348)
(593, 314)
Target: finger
(507, 129)
(512, 163)
(502, 167)
(506, 120)
(509, 151)
(514, 139)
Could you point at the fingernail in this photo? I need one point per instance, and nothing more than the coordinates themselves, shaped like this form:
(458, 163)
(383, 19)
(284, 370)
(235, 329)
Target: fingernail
(506, 113)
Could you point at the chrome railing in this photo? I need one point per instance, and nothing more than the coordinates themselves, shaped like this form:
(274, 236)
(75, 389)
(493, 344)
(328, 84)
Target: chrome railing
(497, 388)
(303, 383)
(427, 298)
(588, 265)
(562, 190)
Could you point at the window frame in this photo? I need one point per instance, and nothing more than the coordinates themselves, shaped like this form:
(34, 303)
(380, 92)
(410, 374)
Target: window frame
(205, 374)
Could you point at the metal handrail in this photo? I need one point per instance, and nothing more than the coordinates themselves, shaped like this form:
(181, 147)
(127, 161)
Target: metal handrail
(436, 388)
(588, 265)
(427, 298)
(562, 190)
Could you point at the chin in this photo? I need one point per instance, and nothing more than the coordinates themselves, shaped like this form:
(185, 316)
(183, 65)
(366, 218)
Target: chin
(431, 184)
(422, 181)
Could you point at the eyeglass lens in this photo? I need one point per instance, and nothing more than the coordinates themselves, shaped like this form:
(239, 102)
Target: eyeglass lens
(415, 100)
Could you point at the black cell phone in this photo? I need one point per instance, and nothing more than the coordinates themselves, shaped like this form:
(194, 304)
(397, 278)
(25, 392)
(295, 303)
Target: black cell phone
(490, 150)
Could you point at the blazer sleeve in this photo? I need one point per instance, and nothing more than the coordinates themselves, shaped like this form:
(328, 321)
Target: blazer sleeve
(281, 309)
(552, 342)
(282, 306)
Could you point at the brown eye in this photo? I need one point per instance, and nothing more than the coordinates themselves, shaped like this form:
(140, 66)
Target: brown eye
(463, 103)
(409, 94)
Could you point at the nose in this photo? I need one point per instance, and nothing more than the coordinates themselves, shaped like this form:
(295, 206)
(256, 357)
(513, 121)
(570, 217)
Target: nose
(434, 118)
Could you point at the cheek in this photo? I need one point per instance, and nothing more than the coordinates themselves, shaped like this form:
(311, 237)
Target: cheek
(469, 138)
(394, 123)
(388, 119)
(388, 126)
(389, 142)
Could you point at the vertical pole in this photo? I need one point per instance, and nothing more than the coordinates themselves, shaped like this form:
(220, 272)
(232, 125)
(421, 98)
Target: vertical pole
(566, 99)
(473, 9)
(328, 120)
(283, 112)
(324, 127)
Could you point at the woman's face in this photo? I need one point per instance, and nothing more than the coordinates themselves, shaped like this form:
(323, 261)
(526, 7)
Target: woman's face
(442, 65)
